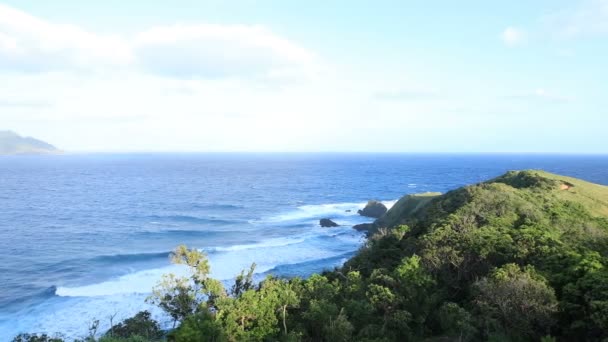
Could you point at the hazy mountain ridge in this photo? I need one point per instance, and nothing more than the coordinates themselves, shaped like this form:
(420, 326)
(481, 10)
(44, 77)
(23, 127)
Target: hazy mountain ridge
(12, 143)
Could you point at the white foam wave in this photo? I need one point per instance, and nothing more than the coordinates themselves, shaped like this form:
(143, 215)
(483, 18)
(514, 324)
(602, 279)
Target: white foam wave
(266, 254)
(346, 211)
(72, 316)
(312, 212)
(389, 204)
(277, 242)
(140, 282)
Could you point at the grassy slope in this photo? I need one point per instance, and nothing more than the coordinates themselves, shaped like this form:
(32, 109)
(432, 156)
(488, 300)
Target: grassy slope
(593, 196)
(407, 206)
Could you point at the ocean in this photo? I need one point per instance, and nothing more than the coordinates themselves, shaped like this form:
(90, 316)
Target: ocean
(85, 237)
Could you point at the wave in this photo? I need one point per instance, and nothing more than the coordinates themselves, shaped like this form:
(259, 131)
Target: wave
(140, 282)
(309, 236)
(190, 232)
(35, 296)
(346, 211)
(389, 204)
(223, 206)
(310, 212)
(308, 267)
(191, 219)
(227, 261)
(114, 258)
(278, 242)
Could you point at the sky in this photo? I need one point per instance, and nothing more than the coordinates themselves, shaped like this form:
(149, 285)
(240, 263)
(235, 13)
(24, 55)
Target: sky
(315, 76)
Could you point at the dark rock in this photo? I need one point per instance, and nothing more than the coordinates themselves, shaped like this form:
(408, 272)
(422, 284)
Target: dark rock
(327, 223)
(348, 210)
(363, 227)
(373, 209)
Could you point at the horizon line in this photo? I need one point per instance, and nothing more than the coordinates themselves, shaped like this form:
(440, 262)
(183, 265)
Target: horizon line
(64, 152)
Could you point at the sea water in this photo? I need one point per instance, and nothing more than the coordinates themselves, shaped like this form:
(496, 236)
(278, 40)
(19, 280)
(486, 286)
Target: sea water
(85, 237)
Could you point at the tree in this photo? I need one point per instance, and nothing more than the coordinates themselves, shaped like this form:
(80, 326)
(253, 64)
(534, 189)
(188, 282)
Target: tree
(36, 338)
(585, 306)
(176, 296)
(456, 322)
(181, 297)
(516, 302)
(287, 298)
(339, 329)
(243, 281)
(200, 327)
(139, 325)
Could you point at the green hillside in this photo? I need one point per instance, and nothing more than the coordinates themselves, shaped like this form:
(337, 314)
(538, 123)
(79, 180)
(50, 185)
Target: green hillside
(522, 257)
(519, 231)
(11, 143)
(405, 208)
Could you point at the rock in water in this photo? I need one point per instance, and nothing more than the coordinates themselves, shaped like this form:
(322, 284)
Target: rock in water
(373, 209)
(364, 227)
(327, 223)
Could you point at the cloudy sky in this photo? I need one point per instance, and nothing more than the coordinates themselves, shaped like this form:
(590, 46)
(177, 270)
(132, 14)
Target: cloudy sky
(276, 75)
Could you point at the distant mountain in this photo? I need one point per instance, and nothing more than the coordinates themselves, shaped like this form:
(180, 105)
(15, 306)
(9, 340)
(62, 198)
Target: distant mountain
(11, 143)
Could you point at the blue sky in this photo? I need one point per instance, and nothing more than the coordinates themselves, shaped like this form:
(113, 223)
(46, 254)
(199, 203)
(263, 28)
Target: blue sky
(255, 75)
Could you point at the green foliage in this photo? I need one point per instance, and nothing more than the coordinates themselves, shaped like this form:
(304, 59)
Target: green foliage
(456, 322)
(516, 303)
(243, 282)
(585, 305)
(176, 296)
(139, 325)
(181, 297)
(527, 179)
(125, 339)
(200, 327)
(339, 329)
(37, 338)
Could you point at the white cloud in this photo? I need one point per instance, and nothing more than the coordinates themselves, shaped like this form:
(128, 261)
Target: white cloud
(542, 94)
(407, 95)
(28, 43)
(209, 50)
(547, 95)
(590, 18)
(513, 36)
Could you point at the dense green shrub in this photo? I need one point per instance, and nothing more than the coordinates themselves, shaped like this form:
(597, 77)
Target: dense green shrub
(37, 338)
(139, 325)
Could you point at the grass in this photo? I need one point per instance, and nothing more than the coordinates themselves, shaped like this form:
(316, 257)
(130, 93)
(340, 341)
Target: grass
(406, 207)
(593, 196)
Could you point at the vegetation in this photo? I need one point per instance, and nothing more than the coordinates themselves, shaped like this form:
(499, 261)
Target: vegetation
(522, 257)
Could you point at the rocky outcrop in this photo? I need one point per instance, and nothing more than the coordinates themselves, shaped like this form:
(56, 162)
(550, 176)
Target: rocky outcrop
(327, 223)
(363, 227)
(405, 209)
(373, 209)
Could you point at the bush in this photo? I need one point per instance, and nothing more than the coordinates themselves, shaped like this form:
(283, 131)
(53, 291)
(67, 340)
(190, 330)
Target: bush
(36, 338)
(139, 325)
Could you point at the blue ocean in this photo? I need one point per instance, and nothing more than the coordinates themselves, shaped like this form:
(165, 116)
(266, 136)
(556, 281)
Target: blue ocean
(85, 237)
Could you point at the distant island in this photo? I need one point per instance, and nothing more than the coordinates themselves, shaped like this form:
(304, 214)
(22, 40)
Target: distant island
(12, 143)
